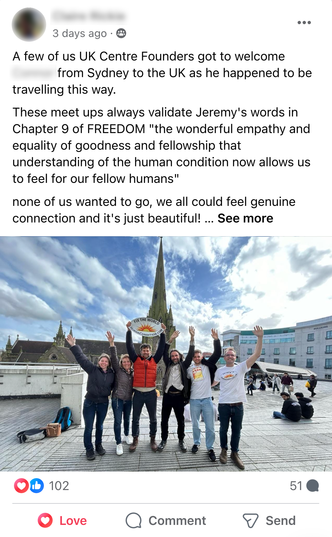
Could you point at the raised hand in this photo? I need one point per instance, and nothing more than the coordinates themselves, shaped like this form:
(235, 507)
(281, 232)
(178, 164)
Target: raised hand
(258, 331)
(174, 335)
(110, 338)
(71, 340)
(163, 326)
(214, 333)
(128, 325)
(192, 332)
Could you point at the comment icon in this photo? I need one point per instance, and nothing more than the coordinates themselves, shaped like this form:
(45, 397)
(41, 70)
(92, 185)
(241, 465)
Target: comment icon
(133, 521)
(313, 485)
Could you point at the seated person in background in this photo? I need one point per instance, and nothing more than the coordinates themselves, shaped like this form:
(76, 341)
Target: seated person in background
(306, 405)
(291, 410)
(262, 386)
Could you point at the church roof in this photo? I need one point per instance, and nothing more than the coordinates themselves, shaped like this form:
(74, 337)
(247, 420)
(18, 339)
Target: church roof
(38, 347)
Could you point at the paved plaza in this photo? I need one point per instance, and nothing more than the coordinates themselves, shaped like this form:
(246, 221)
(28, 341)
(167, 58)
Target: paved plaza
(266, 444)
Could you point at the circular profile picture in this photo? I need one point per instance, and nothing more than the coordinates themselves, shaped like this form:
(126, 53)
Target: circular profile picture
(29, 24)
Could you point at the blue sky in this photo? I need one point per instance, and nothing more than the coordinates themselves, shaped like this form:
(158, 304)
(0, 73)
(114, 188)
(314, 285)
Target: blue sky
(96, 284)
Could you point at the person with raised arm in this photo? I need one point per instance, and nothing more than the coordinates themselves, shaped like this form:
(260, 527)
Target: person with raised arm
(122, 393)
(175, 390)
(99, 388)
(232, 396)
(201, 373)
(144, 385)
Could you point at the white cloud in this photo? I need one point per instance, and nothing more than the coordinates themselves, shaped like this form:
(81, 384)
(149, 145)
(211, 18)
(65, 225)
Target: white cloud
(270, 279)
(198, 249)
(20, 304)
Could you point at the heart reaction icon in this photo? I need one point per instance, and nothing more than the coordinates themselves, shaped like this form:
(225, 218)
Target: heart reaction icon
(45, 520)
(21, 485)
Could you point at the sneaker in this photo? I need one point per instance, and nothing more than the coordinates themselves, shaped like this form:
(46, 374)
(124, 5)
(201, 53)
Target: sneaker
(162, 445)
(100, 450)
(127, 440)
(119, 449)
(182, 446)
(212, 455)
(194, 449)
(90, 455)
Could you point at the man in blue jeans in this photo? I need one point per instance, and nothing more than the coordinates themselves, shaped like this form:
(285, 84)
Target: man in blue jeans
(201, 374)
(232, 396)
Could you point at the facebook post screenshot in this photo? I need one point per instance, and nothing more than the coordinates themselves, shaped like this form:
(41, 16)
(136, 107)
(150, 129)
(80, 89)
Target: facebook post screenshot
(166, 267)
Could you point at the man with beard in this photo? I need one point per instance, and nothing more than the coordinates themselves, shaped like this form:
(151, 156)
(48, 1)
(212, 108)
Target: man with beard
(144, 385)
(175, 389)
(201, 373)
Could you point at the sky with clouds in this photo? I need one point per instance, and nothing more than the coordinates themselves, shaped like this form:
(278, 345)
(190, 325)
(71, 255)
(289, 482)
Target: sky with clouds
(96, 284)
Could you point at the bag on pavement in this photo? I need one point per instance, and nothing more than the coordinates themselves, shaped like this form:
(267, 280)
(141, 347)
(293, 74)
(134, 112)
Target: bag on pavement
(64, 417)
(30, 435)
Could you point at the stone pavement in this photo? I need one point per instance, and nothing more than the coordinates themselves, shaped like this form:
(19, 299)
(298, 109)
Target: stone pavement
(266, 444)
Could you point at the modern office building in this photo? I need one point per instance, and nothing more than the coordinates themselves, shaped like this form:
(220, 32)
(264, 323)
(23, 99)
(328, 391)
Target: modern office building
(308, 345)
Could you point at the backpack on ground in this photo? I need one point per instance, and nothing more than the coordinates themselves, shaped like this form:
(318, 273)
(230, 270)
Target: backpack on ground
(64, 417)
(30, 435)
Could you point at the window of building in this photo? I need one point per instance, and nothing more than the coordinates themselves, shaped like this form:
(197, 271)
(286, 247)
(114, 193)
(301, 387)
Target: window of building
(328, 377)
(310, 363)
(311, 337)
(263, 351)
(329, 334)
(262, 359)
(249, 350)
(276, 350)
(328, 349)
(54, 357)
(276, 360)
(328, 363)
(292, 350)
(310, 350)
(292, 362)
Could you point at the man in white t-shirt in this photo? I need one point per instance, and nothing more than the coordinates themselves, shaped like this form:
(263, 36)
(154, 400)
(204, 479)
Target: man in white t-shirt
(201, 373)
(232, 396)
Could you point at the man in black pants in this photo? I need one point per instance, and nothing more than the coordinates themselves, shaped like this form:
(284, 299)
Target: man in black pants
(175, 390)
(144, 385)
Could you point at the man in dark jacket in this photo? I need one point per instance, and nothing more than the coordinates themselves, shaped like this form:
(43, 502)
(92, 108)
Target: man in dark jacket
(175, 390)
(291, 410)
(144, 385)
(306, 405)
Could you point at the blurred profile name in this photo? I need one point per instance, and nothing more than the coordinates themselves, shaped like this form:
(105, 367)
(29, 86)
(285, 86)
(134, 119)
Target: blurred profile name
(81, 16)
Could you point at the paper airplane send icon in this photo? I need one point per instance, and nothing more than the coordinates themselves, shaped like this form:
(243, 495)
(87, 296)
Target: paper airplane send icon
(251, 519)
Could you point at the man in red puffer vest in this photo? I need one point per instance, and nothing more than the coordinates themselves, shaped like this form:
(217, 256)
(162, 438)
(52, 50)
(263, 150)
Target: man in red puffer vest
(144, 385)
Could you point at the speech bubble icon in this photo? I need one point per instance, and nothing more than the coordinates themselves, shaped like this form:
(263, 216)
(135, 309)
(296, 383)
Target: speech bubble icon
(133, 521)
(313, 485)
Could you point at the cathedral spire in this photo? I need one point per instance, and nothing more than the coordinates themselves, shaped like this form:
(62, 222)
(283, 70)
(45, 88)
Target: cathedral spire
(59, 339)
(158, 308)
(9, 346)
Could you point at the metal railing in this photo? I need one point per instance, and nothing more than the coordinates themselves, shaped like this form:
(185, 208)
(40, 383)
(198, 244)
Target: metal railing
(70, 369)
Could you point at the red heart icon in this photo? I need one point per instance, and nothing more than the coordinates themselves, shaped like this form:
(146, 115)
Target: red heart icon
(45, 520)
(21, 485)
